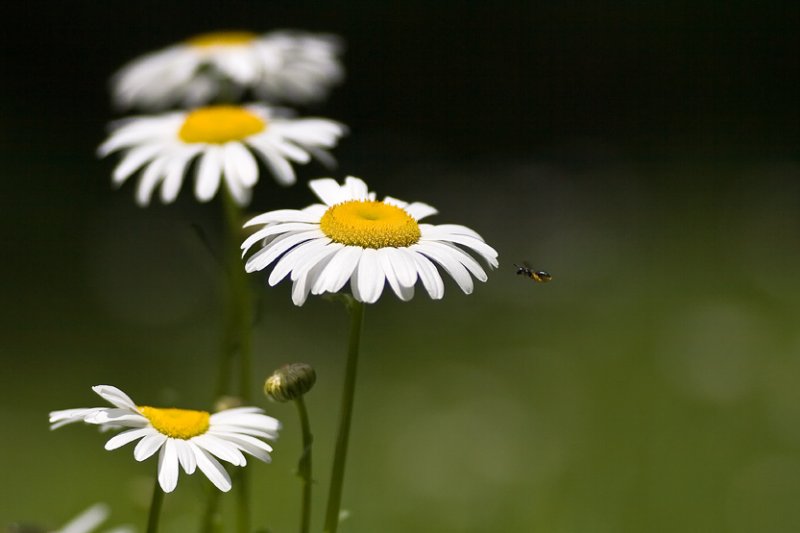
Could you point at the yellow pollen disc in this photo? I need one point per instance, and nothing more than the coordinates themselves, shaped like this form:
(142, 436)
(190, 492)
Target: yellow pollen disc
(220, 124)
(177, 423)
(222, 38)
(370, 225)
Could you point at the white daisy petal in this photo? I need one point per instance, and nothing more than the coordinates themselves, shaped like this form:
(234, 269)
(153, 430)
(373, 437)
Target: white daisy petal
(243, 161)
(418, 210)
(394, 201)
(133, 161)
(255, 447)
(174, 172)
(211, 468)
(430, 277)
(291, 151)
(275, 229)
(306, 277)
(149, 445)
(240, 194)
(462, 257)
(244, 420)
(314, 258)
(293, 257)
(115, 417)
(459, 273)
(121, 439)
(85, 522)
(338, 270)
(209, 173)
(70, 416)
(282, 215)
(265, 256)
(235, 411)
(487, 252)
(406, 293)
(356, 188)
(220, 448)
(272, 435)
(115, 396)
(311, 132)
(403, 266)
(136, 132)
(327, 190)
(185, 456)
(449, 229)
(385, 261)
(151, 176)
(280, 167)
(168, 466)
(237, 65)
(369, 277)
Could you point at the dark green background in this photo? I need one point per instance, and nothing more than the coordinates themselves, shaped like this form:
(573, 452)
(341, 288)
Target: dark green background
(646, 155)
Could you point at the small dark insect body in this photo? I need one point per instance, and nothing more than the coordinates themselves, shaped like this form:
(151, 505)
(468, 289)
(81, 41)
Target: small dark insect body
(539, 276)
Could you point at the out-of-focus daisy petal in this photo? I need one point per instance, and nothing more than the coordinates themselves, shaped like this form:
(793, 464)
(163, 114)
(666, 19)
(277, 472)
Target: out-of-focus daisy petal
(278, 66)
(226, 139)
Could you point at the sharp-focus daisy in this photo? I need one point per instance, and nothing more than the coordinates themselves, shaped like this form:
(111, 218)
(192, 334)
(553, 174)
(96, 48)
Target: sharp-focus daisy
(352, 237)
(224, 139)
(190, 438)
(283, 66)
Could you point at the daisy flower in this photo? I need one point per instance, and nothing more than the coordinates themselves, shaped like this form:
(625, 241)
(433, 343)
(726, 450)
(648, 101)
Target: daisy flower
(191, 439)
(353, 237)
(285, 66)
(224, 139)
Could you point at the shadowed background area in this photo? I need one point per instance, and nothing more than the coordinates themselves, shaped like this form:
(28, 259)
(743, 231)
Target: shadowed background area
(646, 155)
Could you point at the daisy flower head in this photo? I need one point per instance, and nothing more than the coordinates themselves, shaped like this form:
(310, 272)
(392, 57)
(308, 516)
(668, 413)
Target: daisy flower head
(186, 438)
(352, 237)
(225, 141)
(285, 66)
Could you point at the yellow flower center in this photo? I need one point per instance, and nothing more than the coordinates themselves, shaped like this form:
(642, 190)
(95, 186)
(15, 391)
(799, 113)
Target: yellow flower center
(369, 225)
(221, 38)
(177, 423)
(220, 124)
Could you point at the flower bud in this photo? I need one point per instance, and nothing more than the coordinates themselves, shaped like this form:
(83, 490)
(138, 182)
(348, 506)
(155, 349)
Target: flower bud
(290, 382)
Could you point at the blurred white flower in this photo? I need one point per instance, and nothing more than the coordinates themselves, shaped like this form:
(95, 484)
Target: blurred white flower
(281, 66)
(225, 139)
(181, 436)
(352, 237)
(90, 519)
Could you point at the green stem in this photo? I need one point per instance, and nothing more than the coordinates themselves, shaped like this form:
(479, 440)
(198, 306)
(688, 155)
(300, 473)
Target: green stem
(239, 322)
(243, 502)
(340, 455)
(238, 332)
(155, 508)
(304, 466)
(211, 519)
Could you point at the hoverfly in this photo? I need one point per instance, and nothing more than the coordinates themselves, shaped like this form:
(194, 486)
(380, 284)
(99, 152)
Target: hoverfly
(539, 276)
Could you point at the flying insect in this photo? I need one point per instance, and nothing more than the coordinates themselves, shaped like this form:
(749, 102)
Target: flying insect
(539, 276)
